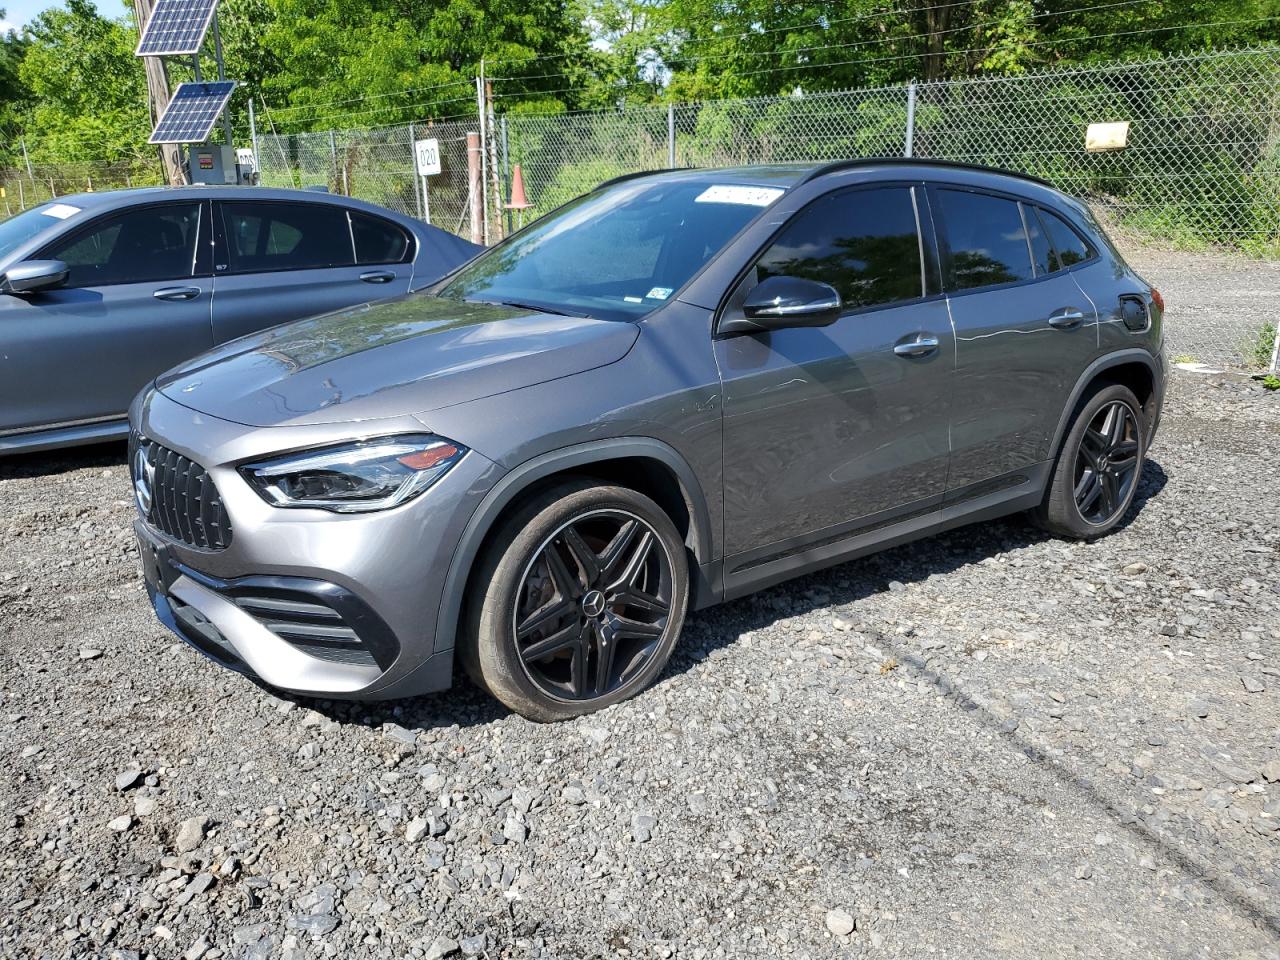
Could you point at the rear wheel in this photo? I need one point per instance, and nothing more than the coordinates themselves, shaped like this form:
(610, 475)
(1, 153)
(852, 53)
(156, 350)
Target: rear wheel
(584, 595)
(1097, 473)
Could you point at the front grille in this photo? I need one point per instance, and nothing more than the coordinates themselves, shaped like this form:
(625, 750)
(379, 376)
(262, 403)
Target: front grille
(184, 503)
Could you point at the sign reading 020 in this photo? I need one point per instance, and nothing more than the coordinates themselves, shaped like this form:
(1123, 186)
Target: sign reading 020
(427, 153)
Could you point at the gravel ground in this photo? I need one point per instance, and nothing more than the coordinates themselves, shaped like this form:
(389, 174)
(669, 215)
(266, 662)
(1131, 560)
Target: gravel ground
(1217, 304)
(986, 744)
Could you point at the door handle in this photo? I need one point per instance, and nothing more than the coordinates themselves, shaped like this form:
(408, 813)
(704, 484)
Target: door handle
(921, 346)
(378, 276)
(177, 293)
(1066, 319)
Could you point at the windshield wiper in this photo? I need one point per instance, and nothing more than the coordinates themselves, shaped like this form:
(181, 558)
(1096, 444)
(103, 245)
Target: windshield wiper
(540, 307)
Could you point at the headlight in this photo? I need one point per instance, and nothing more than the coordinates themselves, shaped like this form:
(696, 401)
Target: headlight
(355, 477)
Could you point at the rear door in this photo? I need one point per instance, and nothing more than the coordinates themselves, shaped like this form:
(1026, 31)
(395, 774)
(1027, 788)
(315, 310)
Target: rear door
(282, 260)
(136, 302)
(1024, 332)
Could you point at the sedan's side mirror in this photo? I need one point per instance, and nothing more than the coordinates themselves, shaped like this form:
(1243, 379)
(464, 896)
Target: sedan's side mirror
(779, 302)
(31, 275)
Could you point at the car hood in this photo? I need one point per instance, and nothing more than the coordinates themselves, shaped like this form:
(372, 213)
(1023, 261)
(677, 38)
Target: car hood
(396, 358)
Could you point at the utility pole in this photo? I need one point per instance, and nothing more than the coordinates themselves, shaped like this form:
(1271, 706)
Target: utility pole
(158, 98)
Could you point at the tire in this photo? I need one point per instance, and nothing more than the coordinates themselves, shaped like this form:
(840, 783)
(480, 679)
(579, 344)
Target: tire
(1098, 468)
(550, 637)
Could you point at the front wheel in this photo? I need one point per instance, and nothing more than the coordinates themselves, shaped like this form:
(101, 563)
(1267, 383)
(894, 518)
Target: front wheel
(1097, 472)
(584, 595)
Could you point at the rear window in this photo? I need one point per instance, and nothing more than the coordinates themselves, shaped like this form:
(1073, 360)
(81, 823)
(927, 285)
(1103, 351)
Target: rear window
(987, 241)
(264, 236)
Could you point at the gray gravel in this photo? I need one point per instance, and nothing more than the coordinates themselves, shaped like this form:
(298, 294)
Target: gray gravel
(1216, 304)
(987, 744)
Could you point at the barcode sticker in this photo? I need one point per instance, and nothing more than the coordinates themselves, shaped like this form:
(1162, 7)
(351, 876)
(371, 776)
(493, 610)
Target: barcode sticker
(61, 210)
(737, 193)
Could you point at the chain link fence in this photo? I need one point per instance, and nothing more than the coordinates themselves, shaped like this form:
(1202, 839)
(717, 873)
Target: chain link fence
(378, 165)
(41, 182)
(1195, 194)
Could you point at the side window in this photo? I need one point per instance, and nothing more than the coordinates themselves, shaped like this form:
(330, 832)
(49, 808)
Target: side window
(863, 242)
(1041, 251)
(139, 246)
(378, 241)
(1069, 248)
(264, 235)
(987, 241)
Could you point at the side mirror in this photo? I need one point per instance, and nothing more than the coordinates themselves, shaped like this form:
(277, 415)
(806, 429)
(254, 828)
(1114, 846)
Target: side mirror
(779, 302)
(31, 275)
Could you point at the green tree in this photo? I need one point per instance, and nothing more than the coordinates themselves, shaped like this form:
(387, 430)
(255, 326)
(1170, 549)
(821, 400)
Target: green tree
(15, 99)
(87, 91)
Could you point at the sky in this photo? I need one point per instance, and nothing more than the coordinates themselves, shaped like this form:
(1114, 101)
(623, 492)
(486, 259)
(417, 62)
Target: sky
(18, 12)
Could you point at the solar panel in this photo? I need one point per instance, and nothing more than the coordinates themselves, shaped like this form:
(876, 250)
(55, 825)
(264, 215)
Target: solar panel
(175, 27)
(192, 112)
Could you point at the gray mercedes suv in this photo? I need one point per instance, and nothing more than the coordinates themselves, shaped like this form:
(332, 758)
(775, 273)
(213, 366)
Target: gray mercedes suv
(675, 390)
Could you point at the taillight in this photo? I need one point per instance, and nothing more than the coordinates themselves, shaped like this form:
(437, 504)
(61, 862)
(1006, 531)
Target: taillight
(1157, 299)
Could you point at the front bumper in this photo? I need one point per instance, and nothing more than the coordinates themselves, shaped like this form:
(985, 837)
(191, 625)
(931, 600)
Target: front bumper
(308, 601)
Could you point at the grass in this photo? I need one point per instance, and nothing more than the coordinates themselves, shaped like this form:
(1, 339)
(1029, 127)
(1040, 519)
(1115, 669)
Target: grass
(1257, 348)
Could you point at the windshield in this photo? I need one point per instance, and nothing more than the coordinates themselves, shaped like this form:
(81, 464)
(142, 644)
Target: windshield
(615, 254)
(18, 230)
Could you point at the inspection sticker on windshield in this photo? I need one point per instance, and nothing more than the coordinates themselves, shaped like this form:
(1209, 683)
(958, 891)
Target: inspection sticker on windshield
(737, 193)
(658, 293)
(61, 210)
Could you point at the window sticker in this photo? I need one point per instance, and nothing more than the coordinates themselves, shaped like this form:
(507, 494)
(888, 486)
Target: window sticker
(61, 211)
(659, 293)
(634, 299)
(737, 193)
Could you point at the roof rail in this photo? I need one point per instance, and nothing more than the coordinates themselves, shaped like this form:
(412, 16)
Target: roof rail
(637, 175)
(838, 165)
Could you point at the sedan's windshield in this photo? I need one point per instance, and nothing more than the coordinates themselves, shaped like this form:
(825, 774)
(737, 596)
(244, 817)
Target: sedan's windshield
(615, 254)
(18, 230)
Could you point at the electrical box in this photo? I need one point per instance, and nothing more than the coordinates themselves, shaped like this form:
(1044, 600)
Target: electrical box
(212, 163)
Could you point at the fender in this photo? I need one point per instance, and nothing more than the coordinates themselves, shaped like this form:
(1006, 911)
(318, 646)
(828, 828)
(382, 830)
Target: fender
(557, 461)
(1131, 355)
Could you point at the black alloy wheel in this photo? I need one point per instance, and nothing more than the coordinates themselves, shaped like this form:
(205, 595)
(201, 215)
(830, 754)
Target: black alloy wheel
(594, 603)
(1107, 460)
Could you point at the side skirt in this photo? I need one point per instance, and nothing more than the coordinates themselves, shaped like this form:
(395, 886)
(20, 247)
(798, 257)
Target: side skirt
(41, 438)
(983, 501)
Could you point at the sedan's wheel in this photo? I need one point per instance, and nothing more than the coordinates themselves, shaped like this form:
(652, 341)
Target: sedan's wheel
(585, 595)
(1097, 472)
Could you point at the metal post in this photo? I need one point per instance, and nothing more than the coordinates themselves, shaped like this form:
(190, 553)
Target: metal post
(27, 160)
(1275, 350)
(253, 141)
(909, 147)
(333, 157)
(484, 160)
(413, 165)
(22, 195)
(506, 165)
(222, 75)
(475, 187)
(671, 135)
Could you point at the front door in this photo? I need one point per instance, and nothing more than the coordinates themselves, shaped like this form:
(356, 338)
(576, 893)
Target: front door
(136, 302)
(1024, 332)
(829, 430)
(279, 260)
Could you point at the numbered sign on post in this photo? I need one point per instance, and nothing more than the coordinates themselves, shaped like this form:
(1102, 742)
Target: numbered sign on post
(428, 155)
